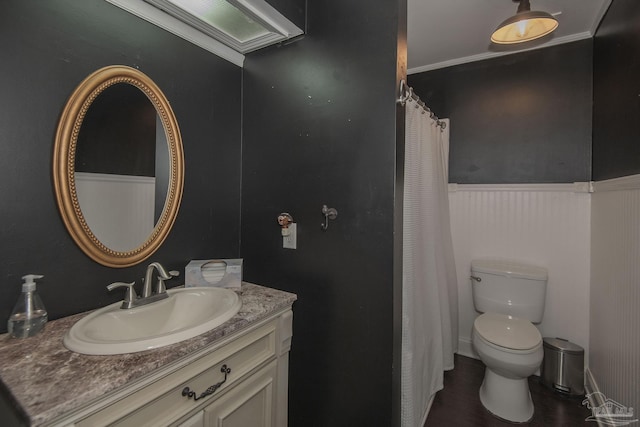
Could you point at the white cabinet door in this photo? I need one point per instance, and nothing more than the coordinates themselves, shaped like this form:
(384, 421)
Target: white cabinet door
(250, 403)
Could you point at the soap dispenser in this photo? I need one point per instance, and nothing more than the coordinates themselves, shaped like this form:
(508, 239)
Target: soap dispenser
(29, 315)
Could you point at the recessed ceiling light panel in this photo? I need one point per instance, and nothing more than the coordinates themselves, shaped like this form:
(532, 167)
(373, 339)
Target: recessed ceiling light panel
(243, 25)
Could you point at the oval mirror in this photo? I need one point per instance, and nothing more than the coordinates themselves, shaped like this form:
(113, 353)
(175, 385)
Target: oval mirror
(118, 166)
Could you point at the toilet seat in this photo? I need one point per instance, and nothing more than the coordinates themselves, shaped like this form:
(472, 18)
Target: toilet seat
(507, 332)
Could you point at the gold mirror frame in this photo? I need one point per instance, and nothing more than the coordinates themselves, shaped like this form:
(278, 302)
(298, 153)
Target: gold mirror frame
(64, 156)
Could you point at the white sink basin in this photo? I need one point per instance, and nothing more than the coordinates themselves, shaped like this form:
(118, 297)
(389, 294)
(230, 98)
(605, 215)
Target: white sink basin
(186, 313)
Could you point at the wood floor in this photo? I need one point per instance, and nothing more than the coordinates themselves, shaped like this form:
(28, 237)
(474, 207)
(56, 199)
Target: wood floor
(459, 405)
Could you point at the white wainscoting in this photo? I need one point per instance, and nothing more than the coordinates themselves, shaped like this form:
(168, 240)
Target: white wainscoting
(544, 224)
(615, 290)
(119, 209)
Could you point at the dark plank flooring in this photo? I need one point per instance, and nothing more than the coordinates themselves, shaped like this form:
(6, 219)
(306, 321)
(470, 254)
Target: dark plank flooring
(458, 403)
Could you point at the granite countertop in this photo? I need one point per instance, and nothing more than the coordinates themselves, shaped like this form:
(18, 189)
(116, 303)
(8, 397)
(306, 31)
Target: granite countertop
(45, 380)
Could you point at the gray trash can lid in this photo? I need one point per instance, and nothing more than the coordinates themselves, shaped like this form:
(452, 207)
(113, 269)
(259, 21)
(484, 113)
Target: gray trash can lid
(562, 345)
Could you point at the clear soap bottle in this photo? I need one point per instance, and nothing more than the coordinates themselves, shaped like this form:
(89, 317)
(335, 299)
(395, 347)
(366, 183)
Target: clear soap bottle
(29, 315)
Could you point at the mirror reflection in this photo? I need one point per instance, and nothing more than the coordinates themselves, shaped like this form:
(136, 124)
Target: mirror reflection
(122, 167)
(118, 166)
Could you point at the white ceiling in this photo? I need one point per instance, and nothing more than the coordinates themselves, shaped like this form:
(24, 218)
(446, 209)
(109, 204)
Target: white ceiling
(442, 33)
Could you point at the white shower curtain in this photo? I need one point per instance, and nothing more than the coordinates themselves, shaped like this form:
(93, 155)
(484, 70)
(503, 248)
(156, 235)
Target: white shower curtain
(430, 293)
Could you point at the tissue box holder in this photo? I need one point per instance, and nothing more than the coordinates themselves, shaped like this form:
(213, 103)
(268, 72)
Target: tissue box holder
(232, 277)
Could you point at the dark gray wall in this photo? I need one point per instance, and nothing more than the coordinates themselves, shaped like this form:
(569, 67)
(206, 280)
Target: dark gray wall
(319, 127)
(47, 48)
(616, 94)
(294, 10)
(521, 118)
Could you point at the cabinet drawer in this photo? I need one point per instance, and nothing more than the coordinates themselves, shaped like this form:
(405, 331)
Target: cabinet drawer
(154, 406)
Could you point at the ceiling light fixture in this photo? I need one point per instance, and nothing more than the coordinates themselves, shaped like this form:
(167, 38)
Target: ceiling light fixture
(243, 25)
(524, 26)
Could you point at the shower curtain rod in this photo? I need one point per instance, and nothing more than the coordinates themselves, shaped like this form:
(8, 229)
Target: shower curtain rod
(406, 93)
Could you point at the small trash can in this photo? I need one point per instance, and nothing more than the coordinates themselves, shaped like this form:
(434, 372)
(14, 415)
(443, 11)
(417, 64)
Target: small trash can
(563, 366)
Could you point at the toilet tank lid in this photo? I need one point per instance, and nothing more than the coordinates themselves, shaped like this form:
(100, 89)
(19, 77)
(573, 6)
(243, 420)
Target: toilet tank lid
(509, 268)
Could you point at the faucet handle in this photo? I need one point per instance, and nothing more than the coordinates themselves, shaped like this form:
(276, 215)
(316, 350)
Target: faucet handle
(130, 295)
(166, 275)
(160, 288)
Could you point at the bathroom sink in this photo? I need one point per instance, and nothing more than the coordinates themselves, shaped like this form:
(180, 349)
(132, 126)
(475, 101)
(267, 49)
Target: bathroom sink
(185, 314)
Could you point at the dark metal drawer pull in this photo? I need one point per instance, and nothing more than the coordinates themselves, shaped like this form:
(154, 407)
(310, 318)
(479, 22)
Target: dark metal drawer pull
(187, 391)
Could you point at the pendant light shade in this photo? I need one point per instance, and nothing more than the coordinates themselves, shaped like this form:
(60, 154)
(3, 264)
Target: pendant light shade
(524, 26)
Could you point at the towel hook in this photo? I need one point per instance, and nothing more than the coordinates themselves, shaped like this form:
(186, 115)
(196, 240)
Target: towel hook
(329, 213)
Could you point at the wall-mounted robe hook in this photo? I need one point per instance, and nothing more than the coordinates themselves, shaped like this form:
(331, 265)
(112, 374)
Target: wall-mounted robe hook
(329, 213)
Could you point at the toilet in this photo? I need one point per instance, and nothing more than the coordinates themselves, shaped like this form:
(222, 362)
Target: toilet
(511, 296)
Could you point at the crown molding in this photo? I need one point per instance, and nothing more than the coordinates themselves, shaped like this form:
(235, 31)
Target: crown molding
(167, 22)
(600, 16)
(489, 55)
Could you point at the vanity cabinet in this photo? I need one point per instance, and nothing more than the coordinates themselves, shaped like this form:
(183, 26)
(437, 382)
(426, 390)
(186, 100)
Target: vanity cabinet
(254, 392)
(251, 403)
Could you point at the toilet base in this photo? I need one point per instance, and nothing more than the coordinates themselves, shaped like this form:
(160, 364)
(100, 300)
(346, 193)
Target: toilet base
(506, 398)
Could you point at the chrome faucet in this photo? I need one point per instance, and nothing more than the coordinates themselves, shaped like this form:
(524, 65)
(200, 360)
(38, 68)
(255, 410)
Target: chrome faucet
(132, 300)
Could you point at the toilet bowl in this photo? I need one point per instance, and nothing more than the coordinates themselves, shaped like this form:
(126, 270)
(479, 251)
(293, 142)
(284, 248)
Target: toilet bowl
(511, 296)
(511, 349)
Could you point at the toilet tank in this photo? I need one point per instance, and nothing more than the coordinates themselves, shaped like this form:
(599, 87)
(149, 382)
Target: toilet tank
(509, 287)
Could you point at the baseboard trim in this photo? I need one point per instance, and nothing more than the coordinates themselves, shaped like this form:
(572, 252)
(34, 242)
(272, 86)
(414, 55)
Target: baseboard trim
(465, 348)
(594, 395)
